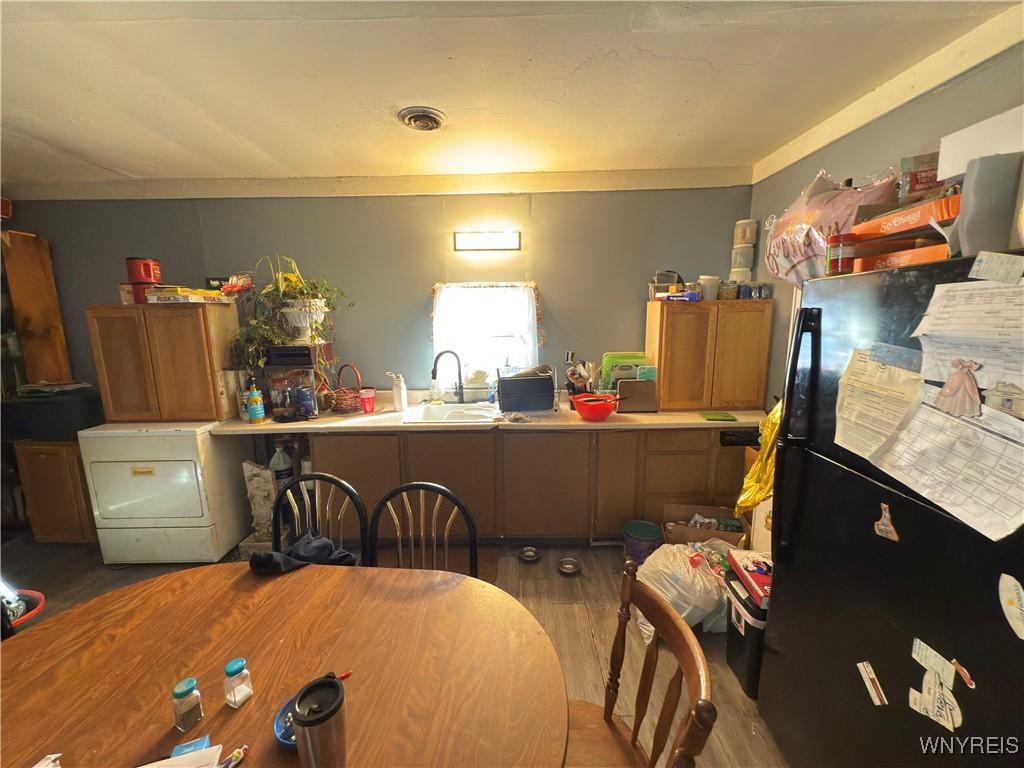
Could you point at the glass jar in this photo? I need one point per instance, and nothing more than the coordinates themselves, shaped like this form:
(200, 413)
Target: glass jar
(187, 703)
(692, 292)
(237, 683)
(728, 290)
(839, 253)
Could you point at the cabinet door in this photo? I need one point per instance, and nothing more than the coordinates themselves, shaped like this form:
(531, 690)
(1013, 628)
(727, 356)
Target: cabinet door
(741, 354)
(687, 350)
(616, 482)
(676, 465)
(124, 372)
(545, 479)
(370, 463)
(29, 274)
(181, 363)
(52, 492)
(80, 489)
(463, 462)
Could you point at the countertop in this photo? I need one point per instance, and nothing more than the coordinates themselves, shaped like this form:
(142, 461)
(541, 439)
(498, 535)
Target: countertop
(387, 420)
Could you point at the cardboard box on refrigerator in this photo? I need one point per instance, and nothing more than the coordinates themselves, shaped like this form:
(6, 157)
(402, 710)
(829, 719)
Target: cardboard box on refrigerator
(681, 533)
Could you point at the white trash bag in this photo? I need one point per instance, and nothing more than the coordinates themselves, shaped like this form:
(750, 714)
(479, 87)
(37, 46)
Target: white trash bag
(693, 592)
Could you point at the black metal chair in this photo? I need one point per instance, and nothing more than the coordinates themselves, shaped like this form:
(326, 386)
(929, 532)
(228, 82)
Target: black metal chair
(320, 509)
(405, 521)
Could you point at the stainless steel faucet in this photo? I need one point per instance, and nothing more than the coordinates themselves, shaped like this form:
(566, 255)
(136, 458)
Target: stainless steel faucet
(433, 372)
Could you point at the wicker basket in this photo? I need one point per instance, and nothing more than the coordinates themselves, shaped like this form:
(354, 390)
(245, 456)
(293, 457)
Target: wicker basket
(346, 399)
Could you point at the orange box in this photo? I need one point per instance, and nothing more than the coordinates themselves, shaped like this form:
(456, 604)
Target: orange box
(902, 258)
(941, 209)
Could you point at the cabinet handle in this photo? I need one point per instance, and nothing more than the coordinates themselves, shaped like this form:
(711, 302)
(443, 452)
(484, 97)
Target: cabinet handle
(143, 472)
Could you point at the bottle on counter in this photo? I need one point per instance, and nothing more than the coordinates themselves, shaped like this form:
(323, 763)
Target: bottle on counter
(839, 252)
(254, 403)
(399, 393)
(237, 683)
(281, 465)
(187, 703)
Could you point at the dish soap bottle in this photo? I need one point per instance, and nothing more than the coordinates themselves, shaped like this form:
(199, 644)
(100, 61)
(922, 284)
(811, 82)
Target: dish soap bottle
(399, 393)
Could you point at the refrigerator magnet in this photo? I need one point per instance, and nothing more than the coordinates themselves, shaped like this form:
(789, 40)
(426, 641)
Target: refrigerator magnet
(884, 526)
(1011, 598)
(867, 674)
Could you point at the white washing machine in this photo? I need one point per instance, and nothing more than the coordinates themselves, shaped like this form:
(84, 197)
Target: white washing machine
(166, 492)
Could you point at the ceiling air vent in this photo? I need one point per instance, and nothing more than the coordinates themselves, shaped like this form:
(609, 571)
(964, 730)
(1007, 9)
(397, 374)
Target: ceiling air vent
(422, 118)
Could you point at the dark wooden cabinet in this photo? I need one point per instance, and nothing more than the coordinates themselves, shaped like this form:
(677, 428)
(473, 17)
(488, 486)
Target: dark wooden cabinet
(370, 463)
(615, 503)
(464, 463)
(56, 502)
(545, 476)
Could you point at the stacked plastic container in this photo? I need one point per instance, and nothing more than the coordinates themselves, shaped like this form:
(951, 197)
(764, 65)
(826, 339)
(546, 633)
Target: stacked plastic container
(744, 239)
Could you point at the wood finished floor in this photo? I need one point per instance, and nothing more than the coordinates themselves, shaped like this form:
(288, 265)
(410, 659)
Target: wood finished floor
(578, 614)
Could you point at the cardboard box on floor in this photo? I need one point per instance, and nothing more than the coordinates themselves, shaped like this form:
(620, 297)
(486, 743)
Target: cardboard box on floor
(683, 534)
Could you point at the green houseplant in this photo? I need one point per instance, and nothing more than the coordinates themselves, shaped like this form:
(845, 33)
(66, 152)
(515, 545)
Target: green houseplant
(287, 309)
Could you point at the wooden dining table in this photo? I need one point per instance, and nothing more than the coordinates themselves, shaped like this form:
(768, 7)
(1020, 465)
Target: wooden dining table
(447, 670)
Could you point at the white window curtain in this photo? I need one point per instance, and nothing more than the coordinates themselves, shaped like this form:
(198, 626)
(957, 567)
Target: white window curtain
(488, 325)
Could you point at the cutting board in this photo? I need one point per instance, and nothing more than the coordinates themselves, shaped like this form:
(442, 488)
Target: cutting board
(639, 396)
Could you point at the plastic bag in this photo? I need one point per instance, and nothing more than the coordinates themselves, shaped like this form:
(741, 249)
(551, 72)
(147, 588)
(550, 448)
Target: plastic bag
(693, 592)
(796, 241)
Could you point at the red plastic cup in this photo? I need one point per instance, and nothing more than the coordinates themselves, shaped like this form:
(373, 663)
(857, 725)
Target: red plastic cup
(368, 399)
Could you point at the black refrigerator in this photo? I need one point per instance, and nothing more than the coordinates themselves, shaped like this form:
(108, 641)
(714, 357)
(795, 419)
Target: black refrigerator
(842, 594)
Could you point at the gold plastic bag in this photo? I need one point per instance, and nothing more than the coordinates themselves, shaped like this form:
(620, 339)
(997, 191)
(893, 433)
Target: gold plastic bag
(759, 483)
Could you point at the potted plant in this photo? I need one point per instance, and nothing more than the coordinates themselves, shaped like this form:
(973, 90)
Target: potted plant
(303, 303)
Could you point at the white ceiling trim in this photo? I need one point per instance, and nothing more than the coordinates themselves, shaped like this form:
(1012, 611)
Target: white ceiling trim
(369, 186)
(980, 44)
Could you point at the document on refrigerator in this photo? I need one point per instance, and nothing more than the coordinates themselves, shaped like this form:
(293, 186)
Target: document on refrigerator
(873, 401)
(971, 467)
(981, 321)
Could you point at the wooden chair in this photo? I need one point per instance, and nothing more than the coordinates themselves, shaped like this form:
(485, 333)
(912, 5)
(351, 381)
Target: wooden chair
(599, 738)
(322, 511)
(412, 525)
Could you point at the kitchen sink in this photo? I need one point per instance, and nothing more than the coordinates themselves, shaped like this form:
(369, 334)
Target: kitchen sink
(469, 413)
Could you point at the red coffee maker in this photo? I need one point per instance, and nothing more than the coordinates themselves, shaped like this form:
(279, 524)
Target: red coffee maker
(143, 274)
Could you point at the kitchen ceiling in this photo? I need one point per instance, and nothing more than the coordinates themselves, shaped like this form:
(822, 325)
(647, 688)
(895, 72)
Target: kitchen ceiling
(104, 93)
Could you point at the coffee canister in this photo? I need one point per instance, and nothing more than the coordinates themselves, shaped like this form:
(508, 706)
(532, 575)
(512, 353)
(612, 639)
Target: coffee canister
(318, 719)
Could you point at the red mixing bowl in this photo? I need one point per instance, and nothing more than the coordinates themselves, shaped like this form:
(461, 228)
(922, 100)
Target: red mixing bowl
(593, 411)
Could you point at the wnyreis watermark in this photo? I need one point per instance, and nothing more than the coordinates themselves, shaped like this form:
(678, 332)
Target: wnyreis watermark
(970, 745)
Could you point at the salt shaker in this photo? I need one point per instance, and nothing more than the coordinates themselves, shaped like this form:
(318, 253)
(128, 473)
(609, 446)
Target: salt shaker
(237, 683)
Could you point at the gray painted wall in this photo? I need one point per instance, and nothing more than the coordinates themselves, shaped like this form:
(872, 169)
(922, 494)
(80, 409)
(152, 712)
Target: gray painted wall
(913, 129)
(591, 255)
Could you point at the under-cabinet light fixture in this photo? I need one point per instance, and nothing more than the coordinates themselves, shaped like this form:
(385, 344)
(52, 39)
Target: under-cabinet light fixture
(487, 241)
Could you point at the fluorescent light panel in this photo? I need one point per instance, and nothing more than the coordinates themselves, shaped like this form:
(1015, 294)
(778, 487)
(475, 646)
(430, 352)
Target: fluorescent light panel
(487, 241)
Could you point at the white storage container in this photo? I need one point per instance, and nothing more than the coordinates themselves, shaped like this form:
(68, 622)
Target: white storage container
(745, 232)
(742, 256)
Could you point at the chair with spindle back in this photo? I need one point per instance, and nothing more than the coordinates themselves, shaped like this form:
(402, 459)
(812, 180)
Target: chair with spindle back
(322, 511)
(599, 738)
(428, 498)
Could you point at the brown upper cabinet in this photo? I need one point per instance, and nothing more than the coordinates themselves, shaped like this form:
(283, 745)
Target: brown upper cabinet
(709, 354)
(164, 363)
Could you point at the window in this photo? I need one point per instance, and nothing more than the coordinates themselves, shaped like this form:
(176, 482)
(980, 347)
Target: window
(488, 325)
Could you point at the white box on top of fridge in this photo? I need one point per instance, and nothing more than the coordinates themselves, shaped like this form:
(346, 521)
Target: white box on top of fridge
(166, 492)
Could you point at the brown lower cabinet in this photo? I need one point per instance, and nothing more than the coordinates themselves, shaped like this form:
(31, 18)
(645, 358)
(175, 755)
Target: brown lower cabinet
(463, 462)
(536, 485)
(53, 481)
(370, 463)
(545, 476)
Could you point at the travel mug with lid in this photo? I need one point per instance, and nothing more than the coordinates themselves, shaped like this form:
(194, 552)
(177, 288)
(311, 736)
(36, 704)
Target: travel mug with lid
(318, 719)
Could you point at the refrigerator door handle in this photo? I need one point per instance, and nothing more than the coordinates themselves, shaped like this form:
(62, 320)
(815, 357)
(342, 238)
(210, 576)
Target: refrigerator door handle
(808, 321)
